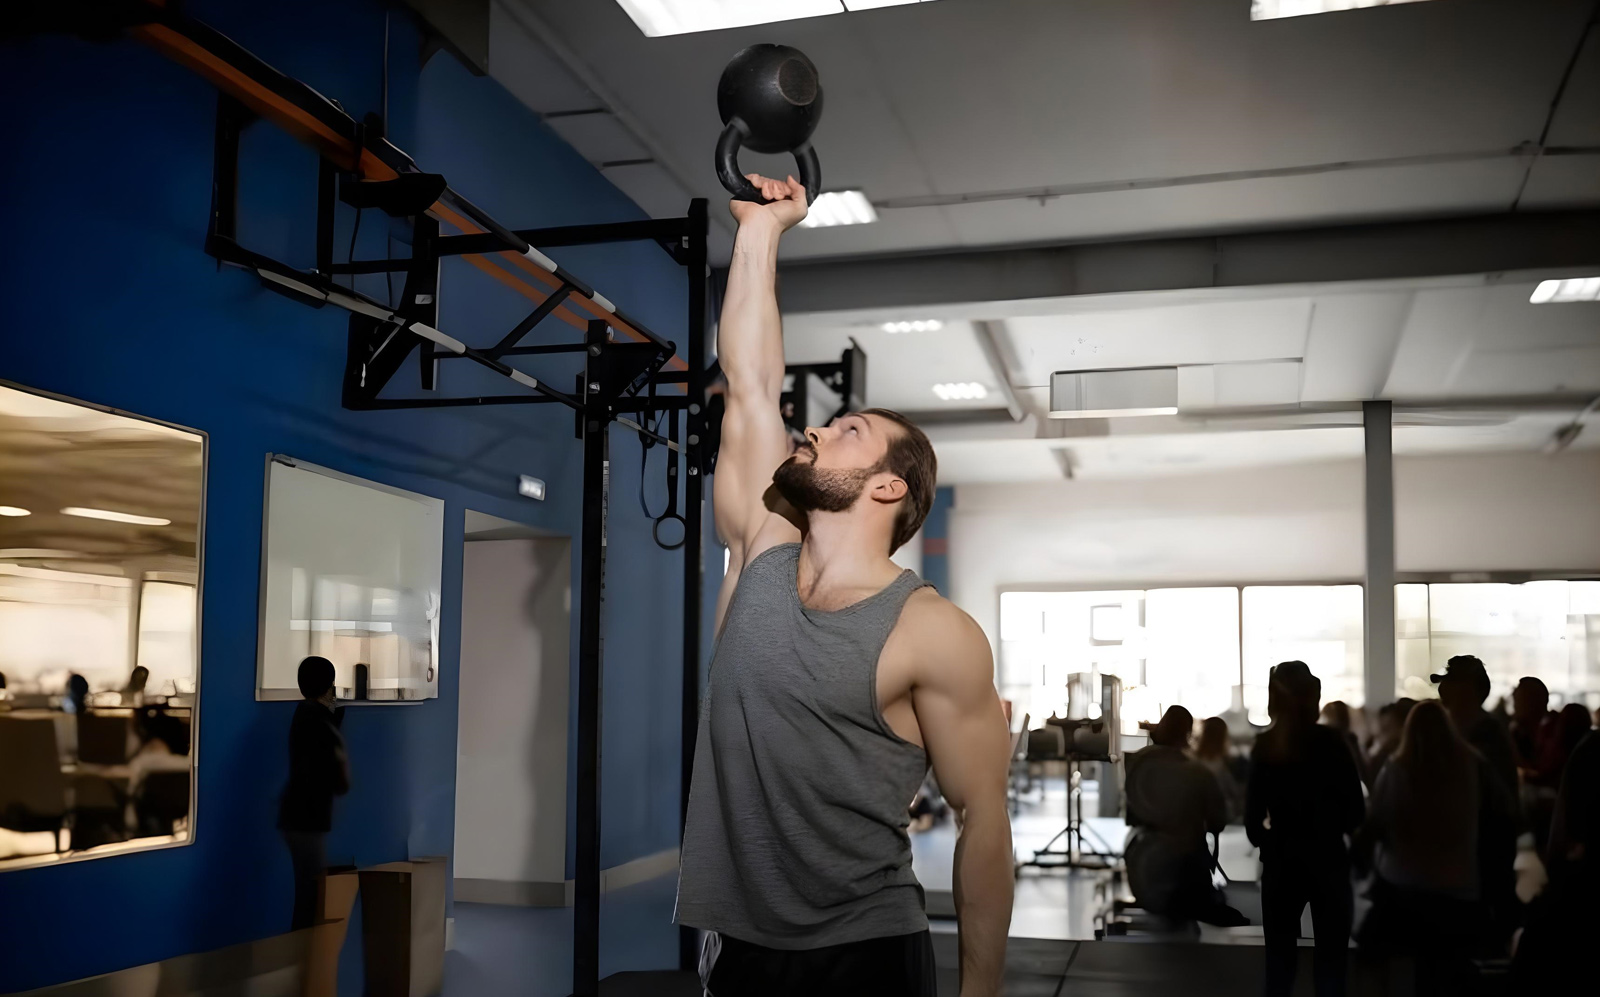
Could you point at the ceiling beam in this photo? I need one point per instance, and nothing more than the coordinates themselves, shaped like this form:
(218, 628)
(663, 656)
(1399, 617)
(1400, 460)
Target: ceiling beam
(1386, 251)
(988, 333)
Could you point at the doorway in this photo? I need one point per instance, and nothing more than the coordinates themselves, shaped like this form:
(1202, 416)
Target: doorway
(511, 763)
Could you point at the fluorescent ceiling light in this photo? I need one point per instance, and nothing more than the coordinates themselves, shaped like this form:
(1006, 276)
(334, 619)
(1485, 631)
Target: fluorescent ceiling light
(839, 207)
(1112, 413)
(115, 517)
(960, 391)
(676, 17)
(1560, 292)
(1266, 10)
(919, 325)
(11, 510)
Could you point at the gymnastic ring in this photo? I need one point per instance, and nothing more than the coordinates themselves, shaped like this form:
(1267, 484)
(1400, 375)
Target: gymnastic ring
(655, 530)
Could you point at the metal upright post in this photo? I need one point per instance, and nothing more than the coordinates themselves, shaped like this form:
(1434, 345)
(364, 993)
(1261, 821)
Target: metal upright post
(591, 588)
(1378, 422)
(694, 515)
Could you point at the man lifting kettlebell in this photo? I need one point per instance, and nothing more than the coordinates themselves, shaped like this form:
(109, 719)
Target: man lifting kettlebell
(838, 678)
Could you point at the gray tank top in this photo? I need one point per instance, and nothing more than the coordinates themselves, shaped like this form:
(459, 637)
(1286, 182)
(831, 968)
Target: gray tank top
(796, 833)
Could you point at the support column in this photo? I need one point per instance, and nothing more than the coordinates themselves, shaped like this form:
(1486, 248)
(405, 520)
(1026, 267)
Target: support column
(1378, 424)
(591, 658)
(693, 520)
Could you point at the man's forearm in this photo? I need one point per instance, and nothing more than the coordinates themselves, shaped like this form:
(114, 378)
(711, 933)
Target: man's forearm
(750, 338)
(984, 874)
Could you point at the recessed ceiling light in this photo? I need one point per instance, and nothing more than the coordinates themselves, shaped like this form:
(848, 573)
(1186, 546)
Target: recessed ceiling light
(917, 325)
(1266, 10)
(11, 510)
(839, 207)
(960, 391)
(676, 17)
(115, 517)
(1560, 292)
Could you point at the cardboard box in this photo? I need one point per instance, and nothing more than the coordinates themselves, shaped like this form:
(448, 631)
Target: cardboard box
(335, 900)
(402, 927)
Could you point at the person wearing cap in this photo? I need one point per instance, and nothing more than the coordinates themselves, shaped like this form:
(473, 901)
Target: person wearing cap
(1304, 800)
(1463, 688)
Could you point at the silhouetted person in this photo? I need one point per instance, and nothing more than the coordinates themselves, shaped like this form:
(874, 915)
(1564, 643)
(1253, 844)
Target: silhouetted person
(1559, 734)
(1463, 687)
(1531, 721)
(1215, 752)
(77, 700)
(133, 692)
(1173, 801)
(319, 770)
(1557, 945)
(1430, 807)
(1304, 798)
(1391, 723)
(1337, 715)
(1570, 727)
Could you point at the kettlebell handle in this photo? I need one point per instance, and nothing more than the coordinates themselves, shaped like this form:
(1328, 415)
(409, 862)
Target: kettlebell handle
(733, 136)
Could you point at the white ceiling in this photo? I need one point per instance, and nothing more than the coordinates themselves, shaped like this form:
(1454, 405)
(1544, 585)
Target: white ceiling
(1435, 346)
(1131, 118)
(997, 98)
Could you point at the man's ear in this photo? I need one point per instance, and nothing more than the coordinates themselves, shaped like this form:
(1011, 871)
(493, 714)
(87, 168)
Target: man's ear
(888, 488)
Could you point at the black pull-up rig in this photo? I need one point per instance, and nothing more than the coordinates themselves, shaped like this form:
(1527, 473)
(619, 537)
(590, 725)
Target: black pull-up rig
(623, 360)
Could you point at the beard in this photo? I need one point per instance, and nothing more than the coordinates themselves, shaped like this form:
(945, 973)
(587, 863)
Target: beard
(812, 489)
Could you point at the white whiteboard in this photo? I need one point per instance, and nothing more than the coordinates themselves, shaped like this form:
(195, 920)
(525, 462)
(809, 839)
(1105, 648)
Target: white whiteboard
(350, 571)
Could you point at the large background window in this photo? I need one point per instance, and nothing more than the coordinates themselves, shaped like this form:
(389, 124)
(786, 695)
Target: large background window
(1318, 624)
(1211, 649)
(1207, 649)
(1548, 629)
(1168, 646)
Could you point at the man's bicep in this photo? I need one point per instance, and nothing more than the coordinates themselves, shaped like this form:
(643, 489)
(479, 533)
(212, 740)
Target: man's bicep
(754, 443)
(962, 724)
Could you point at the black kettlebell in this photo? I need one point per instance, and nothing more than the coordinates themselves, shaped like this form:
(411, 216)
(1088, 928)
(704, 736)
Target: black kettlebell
(770, 101)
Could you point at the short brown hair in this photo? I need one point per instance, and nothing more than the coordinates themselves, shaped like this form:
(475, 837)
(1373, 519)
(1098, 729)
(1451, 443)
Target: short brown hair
(910, 456)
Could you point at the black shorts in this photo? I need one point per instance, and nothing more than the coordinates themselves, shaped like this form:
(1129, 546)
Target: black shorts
(897, 966)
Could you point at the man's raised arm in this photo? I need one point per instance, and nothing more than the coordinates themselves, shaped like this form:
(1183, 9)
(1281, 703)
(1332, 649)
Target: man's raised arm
(750, 349)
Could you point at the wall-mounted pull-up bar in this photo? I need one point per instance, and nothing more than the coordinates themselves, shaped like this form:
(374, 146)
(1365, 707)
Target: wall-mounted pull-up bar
(339, 138)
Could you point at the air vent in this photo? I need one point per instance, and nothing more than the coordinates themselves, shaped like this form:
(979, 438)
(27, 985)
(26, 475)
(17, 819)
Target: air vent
(1099, 394)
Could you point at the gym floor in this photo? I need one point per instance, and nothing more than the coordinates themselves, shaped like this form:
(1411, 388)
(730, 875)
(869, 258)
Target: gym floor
(527, 951)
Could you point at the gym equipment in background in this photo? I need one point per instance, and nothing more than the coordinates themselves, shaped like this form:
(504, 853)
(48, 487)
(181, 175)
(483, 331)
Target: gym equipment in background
(621, 358)
(815, 394)
(770, 100)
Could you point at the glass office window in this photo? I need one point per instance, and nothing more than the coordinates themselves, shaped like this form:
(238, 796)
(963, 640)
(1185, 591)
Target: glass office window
(57, 623)
(167, 621)
(1318, 624)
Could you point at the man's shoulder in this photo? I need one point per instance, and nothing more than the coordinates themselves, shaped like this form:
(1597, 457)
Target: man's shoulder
(941, 633)
(930, 616)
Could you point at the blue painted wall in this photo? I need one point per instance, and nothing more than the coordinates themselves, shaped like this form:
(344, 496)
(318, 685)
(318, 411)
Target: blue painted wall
(110, 299)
